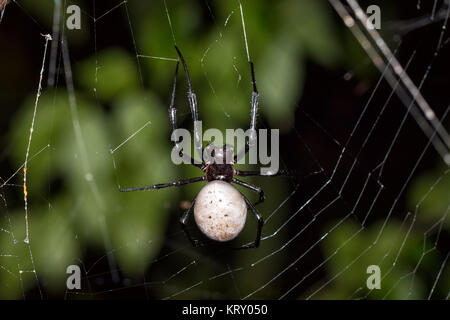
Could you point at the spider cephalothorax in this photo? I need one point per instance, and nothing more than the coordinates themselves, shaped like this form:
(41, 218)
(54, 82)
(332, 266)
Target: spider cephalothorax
(220, 210)
(219, 162)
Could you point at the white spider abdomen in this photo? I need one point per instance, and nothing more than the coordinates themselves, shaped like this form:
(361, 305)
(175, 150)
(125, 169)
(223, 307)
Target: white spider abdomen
(220, 211)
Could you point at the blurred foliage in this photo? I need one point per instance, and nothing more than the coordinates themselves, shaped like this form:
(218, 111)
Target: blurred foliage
(350, 265)
(429, 193)
(75, 206)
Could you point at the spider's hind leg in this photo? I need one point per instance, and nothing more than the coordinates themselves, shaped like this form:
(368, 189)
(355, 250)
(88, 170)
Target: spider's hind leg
(260, 219)
(184, 220)
(253, 188)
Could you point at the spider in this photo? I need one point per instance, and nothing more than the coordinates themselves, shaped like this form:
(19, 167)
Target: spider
(220, 210)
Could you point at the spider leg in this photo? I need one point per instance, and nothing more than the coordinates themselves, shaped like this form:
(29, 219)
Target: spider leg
(253, 113)
(165, 185)
(260, 219)
(173, 122)
(193, 105)
(184, 220)
(256, 189)
(281, 173)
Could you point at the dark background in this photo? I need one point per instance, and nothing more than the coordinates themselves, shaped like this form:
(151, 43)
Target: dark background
(314, 81)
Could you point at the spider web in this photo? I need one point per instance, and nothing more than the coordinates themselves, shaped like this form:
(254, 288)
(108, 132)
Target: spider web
(370, 142)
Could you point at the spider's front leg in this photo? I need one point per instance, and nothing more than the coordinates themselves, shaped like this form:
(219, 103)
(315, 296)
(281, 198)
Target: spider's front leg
(253, 114)
(173, 122)
(193, 105)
